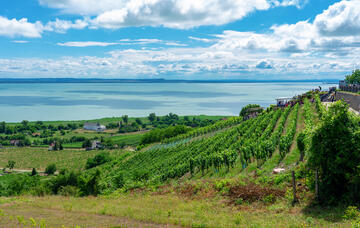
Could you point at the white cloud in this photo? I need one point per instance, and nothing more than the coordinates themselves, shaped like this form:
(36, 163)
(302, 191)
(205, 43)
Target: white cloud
(120, 42)
(16, 28)
(86, 44)
(205, 40)
(20, 41)
(182, 14)
(340, 19)
(61, 26)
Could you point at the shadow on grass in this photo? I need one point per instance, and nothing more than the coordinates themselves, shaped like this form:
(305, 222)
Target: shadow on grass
(328, 213)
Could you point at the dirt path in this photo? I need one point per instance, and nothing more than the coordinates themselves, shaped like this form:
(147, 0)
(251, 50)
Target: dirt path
(57, 218)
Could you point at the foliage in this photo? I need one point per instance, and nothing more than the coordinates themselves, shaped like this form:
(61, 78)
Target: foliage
(87, 143)
(300, 140)
(50, 169)
(351, 213)
(99, 159)
(33, 172)
(335, 152)
(286, 140)
(11, 164)
(245, 109)
(354, 78)
(157, 135)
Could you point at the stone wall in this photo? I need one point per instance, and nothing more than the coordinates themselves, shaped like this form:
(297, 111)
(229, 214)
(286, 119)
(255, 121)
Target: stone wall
(352, 99)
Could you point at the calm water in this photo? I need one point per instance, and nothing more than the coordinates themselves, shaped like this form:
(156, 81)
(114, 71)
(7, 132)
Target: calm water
(89, 101)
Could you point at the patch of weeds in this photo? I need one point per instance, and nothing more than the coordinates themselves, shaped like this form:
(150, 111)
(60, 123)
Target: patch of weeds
(309, 221)
(289, 195)
(103, 210)
(239, 219)
(223, 186)
(269, 199)
(68, 207)
(351, 213)
(239, 201)
(198, 225)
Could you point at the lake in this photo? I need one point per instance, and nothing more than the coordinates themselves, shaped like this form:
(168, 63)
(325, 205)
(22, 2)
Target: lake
(82, 101)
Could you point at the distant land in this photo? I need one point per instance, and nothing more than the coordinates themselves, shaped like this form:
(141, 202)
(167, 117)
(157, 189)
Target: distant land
(160, 80)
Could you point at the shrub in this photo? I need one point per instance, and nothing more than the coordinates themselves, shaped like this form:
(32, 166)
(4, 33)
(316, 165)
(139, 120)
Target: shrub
(99, 159)
(69, 190)
(33, 172)
(334, 152)
(50, 169)
(11, 164)
(351, 213)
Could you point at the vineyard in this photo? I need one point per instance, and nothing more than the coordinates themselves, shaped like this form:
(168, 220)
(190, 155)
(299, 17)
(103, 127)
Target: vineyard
(220, 147)
(224, 171)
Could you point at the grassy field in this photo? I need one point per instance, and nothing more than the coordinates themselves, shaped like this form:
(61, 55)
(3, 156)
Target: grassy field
(39, 158)
(108, 120)
(160, 210)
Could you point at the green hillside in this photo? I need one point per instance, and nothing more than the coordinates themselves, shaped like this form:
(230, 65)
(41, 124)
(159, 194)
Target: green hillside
(233, 167)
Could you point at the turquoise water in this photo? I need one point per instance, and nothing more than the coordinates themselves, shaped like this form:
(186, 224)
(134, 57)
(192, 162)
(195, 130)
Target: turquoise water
(79, 101)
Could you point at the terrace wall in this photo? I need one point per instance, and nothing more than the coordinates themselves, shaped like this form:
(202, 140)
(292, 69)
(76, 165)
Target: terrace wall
(352, 99)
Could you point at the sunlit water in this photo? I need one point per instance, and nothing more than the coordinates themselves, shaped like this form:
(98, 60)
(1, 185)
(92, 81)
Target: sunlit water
(79, 101)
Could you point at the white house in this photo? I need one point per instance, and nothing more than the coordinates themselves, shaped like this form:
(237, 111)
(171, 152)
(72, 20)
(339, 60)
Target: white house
(94, 127)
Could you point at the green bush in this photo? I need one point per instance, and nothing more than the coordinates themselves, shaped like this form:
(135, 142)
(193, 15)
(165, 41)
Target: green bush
(335, 153)
(50, 169)
(99, 159)
(69, 191)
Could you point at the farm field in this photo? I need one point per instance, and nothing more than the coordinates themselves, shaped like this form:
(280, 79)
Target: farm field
(39, 158)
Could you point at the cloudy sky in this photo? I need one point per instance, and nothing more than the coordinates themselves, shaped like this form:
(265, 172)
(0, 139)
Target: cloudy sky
(180, 39)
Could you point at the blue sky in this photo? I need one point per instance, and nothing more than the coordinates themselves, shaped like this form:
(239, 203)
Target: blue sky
(179, 39)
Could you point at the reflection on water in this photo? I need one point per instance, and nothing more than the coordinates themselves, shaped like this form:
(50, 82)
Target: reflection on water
(96, 100)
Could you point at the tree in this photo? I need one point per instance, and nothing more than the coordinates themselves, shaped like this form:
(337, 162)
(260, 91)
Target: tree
(87, 143)
(33, 172)
(99, 159)
(50, 169)
(24, 123)
(354, 78)
(335, 154)
(138, 121)
(2, 127)
(245, 109)
(152, 117)
(125, 118)
(11, 164)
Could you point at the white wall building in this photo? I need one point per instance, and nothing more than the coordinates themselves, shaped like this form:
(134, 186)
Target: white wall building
(94, 127)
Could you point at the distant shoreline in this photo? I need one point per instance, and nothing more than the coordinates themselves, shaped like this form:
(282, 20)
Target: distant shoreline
(98, 80)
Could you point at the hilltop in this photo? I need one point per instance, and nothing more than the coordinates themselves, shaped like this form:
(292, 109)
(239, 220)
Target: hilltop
(233, 172)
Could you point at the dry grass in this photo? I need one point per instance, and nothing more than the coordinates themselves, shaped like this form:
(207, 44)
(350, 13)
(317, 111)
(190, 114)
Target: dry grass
(149, 210)
(39, 158)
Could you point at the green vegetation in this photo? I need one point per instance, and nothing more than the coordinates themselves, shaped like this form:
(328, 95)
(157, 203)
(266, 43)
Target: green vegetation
(338, 161)
(186, 173)
(50, 169)
(354, 78)
(158, 135)
(245, 110)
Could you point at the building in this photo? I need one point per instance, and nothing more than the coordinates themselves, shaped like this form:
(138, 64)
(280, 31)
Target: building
(15, 142)
(283, 101)
(96, 145)
(94, 127)
(344, 86)
(253, 112)
(51, 146)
